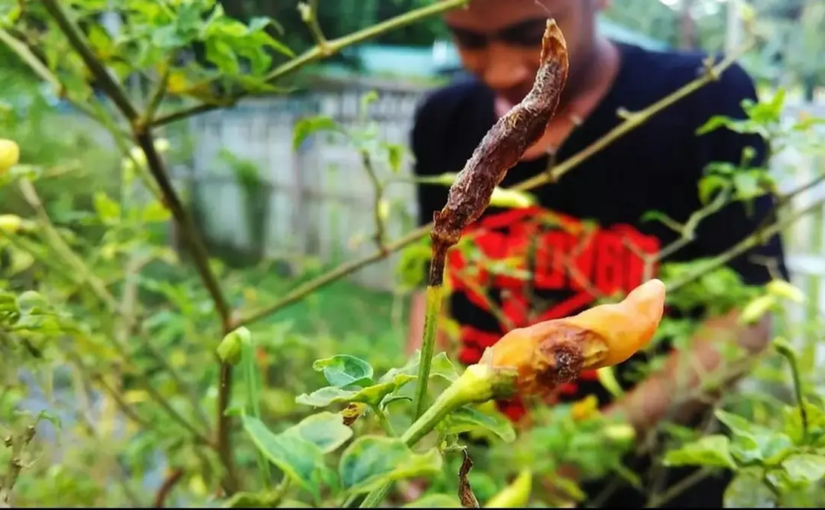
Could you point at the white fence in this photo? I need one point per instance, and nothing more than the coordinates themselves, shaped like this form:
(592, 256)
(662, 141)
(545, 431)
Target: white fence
(321, 198)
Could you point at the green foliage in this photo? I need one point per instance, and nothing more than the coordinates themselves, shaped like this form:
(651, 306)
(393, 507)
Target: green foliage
(105, 327)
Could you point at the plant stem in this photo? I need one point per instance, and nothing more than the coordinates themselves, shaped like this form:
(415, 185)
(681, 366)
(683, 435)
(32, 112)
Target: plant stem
(330, 48)
(253, 399)
(787, 352)
(680, 487)
(381, 416)
(427, 348)
(743, 246)
(82, 47)
(631, 122)
(25, 54)
(479, 383)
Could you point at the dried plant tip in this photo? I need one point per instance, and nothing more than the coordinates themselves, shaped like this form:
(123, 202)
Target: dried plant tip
(465, 491)
(500, 149)
(552, 353)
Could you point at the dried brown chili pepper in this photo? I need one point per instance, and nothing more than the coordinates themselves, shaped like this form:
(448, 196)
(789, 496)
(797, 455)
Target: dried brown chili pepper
(499, 150)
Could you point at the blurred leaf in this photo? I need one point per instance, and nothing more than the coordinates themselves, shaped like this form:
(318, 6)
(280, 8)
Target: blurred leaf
(107, 209)
(308, 126)
(371, 461)
(298, 458)
(711, 451)
(710, 184)
(435, 501)
(325, 430)
(515, 495)
(752, 442)
(344, 370)
(748, 490)
(155, 212)
(323, 397)
(804, 468)
(468, 419)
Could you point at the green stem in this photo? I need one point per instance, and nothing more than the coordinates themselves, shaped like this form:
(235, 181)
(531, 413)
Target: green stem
(427, 348)
(479, 383)
(787, 352)
(253, 405)
(384, 421)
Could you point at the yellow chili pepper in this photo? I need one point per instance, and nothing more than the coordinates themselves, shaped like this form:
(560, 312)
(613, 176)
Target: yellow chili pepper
(515, 495)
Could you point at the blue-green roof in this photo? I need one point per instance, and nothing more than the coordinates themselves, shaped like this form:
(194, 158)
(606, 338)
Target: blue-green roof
(441, 57)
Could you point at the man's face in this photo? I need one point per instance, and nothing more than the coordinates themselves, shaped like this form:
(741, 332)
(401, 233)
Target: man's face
(500, 40)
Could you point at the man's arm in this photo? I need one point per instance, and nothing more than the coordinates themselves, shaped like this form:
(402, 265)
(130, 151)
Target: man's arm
(664, 393)
(675, 388)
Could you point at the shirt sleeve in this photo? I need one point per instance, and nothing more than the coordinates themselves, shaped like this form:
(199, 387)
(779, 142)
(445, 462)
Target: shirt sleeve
(738, 220)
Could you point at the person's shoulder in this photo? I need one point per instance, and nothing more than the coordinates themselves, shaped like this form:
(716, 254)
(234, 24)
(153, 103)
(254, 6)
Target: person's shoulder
(449, 101)
(673, 69)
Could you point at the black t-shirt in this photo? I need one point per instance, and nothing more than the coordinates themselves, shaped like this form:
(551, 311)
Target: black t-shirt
(657, 166)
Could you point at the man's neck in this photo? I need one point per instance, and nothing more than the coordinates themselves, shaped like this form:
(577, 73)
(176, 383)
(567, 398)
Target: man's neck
(594, 81)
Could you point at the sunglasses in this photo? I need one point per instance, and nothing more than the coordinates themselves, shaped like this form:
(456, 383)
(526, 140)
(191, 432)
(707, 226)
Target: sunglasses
(525, 34)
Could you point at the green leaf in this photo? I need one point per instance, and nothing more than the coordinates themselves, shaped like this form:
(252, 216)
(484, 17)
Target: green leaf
(754, 443)
(298, 458)
(329, 395)
(395, 155)
(710, 451)
(344, 370)
(748, 490)
(325, 430)
(107, 209)
(804, 468)
(468, 419)
(435, 501)
(710, 184)
(155, 212)
(441, 367)
(308, 126)
(747, 184)
(372, 461)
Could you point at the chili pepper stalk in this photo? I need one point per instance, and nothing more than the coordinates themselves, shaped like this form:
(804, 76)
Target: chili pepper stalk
(500, 149)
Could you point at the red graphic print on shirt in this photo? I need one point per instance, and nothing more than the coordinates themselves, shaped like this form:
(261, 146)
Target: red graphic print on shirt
(571, 261)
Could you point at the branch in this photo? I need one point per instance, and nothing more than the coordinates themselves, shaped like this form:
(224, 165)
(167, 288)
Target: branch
(309, 13)
(742, 246)
(196, 246)
(167, 486)
(81, 46)
(331, 47)
(378, 187)
(23, 51)
(632, 121)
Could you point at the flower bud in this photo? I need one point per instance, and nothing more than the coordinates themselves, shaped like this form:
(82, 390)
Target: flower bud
(754, 310)
(231, 347)
(10, 223)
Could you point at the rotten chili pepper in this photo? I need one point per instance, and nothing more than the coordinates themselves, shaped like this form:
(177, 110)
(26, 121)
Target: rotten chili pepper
(555, 352)
(500, 149)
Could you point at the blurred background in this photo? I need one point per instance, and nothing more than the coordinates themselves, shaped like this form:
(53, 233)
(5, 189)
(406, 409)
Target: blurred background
(277, 210)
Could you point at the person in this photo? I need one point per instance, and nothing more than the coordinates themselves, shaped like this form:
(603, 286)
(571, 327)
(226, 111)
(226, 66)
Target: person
(587, 237)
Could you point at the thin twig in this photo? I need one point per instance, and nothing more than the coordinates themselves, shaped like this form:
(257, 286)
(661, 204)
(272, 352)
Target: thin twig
(309, 13)
(678, 488)
(378, 189)
(166, 487)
